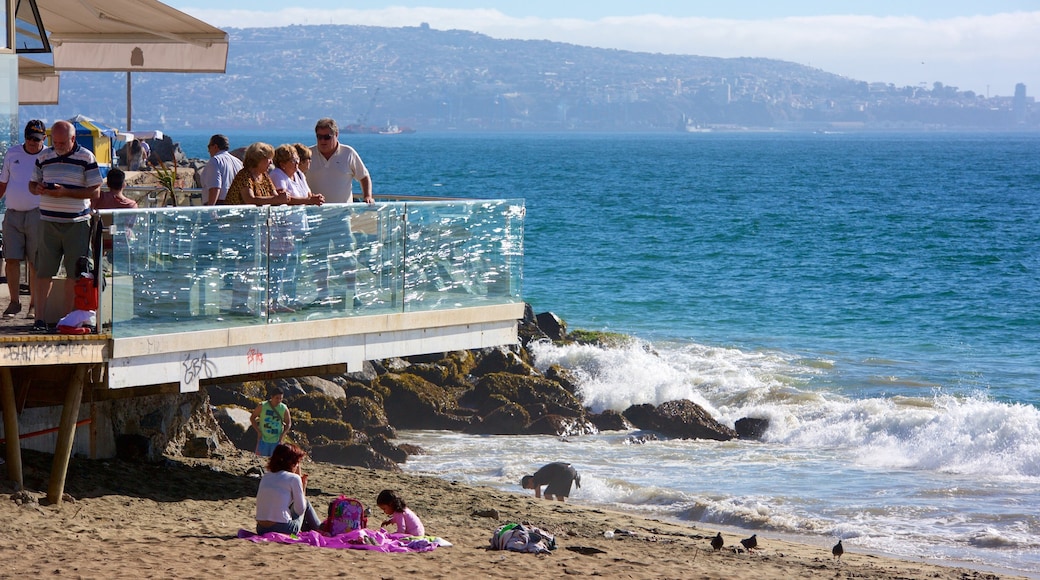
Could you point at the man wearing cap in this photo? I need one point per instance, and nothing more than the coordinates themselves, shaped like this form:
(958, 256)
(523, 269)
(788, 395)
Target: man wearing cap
(22, 220)
(67, 179)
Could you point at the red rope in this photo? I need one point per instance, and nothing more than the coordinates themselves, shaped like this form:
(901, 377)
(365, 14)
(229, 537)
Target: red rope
(45, 431)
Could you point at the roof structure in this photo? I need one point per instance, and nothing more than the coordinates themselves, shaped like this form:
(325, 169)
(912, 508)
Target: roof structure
(111, 35)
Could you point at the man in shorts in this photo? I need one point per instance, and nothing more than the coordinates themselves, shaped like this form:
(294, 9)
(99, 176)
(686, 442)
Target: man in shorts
(272, 422)
(67, 179)
(556, 477)
(22, 220)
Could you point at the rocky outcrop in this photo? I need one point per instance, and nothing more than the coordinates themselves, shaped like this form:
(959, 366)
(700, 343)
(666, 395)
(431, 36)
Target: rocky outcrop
(352, 419)
(681, 419)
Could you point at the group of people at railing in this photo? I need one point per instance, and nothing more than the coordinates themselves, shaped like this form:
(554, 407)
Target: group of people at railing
(51, 193)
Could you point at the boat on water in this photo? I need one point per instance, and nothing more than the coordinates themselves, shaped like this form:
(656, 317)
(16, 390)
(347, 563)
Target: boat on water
(388, 129)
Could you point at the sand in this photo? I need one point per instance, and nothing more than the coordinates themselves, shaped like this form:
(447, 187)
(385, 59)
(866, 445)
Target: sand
(180, 520)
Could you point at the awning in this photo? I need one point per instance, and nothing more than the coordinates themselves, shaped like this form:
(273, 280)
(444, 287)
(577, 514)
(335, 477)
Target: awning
(37, 83)
(120, 35)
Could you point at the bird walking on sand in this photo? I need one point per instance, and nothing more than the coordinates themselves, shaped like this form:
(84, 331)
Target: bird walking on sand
(750, 543)
(837, 550)
(716, 542)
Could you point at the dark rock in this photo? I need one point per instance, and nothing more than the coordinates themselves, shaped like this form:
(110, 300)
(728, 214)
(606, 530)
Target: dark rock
(352, 454)
(415, 403)
(559, 425)
(509, 419)
(133, 447)
(200, 446)
(334, 429)
(370, 371)
(535, 393)
(502, 360)
(411, 449)
(610, 420)
(751, 428)
(564, 377)
(527, 329)
(552, 325)
(485, 513)
(220, 395)
(642, 438)
(381, 430)
(387, 449)
(682, 419)
(318, 404)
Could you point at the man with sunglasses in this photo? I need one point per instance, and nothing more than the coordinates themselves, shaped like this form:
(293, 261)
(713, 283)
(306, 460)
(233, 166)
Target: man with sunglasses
(22, 220)
(332, 173)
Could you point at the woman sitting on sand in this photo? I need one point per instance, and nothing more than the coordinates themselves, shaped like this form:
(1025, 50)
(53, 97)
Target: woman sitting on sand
(280, 502)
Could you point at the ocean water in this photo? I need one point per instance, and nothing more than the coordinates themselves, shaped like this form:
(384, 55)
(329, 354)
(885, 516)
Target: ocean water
(875, 296)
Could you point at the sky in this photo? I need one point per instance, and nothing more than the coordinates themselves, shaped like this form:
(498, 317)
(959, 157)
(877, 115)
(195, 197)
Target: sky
(986, 47)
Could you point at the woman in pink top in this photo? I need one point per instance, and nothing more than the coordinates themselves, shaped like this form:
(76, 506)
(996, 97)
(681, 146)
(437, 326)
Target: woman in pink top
(405, 519)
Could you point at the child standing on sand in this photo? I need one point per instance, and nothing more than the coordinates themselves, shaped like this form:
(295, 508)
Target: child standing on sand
(405, 519)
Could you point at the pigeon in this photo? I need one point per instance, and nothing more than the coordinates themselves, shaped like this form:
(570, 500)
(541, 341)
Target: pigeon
(750, 543)
(837, 550)
(716, 542)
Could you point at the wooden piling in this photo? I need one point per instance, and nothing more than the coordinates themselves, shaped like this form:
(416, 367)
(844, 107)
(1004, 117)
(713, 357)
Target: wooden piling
(66, 434)
(14, 446)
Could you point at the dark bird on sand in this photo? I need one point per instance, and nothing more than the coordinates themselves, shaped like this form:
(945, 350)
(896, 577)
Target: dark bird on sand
(716, 542)
(750, 543)
(837, 550)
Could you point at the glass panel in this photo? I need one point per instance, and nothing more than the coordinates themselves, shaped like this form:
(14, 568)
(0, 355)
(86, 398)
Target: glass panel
(194, 268)
(463, 253)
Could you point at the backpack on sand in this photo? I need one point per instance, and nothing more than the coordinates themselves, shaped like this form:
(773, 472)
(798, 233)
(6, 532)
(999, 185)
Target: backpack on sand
(345, 514)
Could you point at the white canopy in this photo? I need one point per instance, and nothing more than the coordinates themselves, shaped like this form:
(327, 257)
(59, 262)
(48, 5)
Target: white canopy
(122, 35)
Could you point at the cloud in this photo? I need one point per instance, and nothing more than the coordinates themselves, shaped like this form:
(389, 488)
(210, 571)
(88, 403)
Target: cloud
(971, 53)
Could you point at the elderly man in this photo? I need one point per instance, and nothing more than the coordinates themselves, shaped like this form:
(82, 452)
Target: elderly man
(22, 220)
(219, 171)
(332, 173)
(67, 179)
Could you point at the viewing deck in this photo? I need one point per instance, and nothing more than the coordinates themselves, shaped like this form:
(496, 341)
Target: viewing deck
(192, 293)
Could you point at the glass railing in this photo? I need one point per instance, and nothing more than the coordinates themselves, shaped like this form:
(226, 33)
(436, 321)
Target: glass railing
(184, 269)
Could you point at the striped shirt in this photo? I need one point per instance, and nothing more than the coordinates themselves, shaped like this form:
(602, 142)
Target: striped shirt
(76, 170)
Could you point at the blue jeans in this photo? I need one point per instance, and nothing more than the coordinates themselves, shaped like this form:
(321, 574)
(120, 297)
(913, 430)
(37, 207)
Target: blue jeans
(307, 521)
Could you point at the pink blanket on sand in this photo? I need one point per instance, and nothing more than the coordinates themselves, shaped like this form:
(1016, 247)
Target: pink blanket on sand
(380, 541)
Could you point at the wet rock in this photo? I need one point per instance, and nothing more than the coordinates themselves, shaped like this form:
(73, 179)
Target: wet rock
(610, 420)
(751, 428)
(509, 419)
(681, 419)
(553, 326)
(561, 426)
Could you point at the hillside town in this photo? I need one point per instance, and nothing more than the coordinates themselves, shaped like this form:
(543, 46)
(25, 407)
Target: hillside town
(397, 80)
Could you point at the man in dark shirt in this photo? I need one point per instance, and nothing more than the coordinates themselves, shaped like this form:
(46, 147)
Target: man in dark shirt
(557, 478)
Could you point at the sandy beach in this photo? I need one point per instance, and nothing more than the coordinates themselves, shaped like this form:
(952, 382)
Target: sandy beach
(180, 520)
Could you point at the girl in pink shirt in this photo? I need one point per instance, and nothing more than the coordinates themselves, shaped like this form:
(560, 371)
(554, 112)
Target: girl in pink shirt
(405, 519)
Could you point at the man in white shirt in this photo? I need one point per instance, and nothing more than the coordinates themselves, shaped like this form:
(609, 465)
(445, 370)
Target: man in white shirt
(332, 173)
(22, 220)
(219, 171)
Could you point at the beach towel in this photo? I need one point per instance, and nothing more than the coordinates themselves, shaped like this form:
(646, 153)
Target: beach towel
(378, 541)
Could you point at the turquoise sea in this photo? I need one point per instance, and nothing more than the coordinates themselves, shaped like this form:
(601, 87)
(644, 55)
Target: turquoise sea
(875, 296)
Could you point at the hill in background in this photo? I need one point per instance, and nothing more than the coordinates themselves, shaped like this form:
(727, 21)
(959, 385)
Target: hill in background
(430, 80)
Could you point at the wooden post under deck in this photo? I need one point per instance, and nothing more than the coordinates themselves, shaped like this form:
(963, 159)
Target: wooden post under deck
(66, 434)
(14, 445)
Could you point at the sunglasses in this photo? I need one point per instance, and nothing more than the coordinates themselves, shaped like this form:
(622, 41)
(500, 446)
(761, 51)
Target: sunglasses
(34, 139)
(323, 137)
